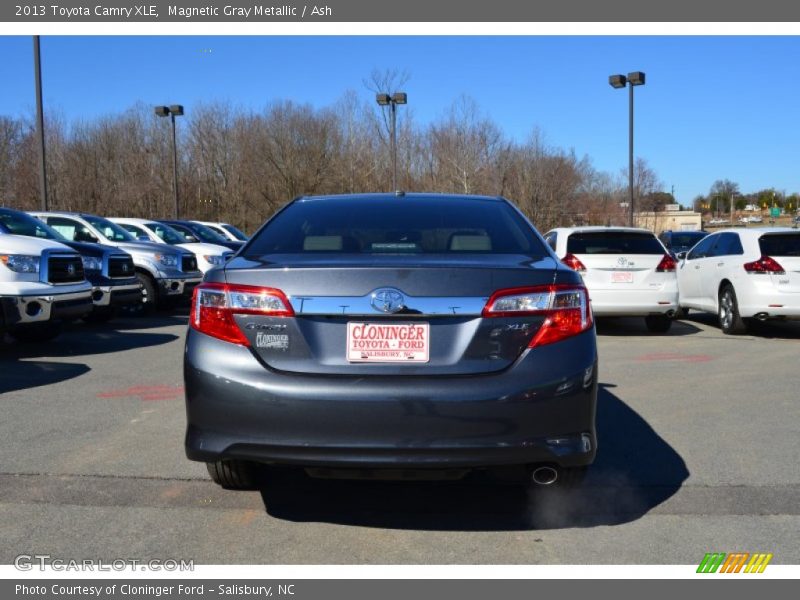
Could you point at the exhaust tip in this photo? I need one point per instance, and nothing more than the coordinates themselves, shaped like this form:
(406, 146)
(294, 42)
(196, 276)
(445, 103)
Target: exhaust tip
(762, 316)
(544, 475)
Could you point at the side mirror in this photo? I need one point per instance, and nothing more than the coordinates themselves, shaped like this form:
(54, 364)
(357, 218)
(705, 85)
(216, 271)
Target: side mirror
(142, 238)
(191, 239)
(681, 255)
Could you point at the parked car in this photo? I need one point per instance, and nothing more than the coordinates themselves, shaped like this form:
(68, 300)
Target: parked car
(195, 232)
(743, 274)
(376, 335)
(756, 219)
(208, 255)
(627, 271)
(110, 270)
(680, 241)
(226, 230)
(164, 271)
(42, 284)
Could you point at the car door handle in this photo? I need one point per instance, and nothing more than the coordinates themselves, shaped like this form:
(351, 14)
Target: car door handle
(722, 264)
(697, 266)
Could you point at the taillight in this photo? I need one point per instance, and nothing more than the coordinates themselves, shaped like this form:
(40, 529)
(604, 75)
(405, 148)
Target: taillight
(565, 309)
(667, 264)
(573, 262)
(765, 264)
(215, 304)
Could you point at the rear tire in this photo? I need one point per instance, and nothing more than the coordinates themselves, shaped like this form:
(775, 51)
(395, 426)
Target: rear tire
(730, 321)
(33, 334)
(658, 323)
(233, 474)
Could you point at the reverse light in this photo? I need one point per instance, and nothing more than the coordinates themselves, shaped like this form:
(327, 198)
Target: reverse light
(565, 308)
(573, 263)
(765, 264)
(215, 304)
(666, 265)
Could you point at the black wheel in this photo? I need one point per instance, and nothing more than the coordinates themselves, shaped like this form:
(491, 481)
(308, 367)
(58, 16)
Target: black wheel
(31, 334)
(658, 323)
(149, 296)
(101, 314)
(233, 474)
(730, 321)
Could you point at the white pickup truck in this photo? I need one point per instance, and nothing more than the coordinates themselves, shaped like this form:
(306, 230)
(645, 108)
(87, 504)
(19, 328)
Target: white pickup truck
(42, 283)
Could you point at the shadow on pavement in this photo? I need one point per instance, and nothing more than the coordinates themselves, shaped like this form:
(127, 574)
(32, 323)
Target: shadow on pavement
(79, 338)
(635, 471)
(19, 375)
(628, 326)
(781, 330)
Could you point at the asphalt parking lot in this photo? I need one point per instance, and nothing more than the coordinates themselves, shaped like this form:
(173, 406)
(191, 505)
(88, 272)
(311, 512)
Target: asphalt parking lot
(698, 452)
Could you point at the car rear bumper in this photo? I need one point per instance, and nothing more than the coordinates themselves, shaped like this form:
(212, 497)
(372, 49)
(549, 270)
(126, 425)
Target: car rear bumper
(540, 410)
(632, 303)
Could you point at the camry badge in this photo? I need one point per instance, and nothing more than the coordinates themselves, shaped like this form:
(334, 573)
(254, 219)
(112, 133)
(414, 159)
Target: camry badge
(387, 300)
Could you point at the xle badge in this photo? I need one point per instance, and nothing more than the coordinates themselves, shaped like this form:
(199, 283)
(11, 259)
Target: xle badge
(272, 341)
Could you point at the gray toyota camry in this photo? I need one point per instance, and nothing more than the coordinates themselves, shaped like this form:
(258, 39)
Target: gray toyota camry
(394, 336)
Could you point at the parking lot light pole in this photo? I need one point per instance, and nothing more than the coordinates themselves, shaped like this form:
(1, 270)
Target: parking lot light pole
(617, 82)
(392, 101)
(37, 72)
(175, 110)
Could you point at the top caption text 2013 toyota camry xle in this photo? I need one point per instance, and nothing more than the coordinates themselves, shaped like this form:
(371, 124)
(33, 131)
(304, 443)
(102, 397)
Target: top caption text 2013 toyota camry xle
(393, 336)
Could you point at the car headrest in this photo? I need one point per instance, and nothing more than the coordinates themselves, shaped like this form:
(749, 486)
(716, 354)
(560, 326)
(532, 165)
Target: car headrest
(470, 243)
(322, 242)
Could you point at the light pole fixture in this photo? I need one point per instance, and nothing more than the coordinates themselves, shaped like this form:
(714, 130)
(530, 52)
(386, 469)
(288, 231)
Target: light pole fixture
(392, 101)
(620, 81)
(175, 110)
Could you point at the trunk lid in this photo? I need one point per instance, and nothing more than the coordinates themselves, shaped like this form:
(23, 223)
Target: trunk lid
(441, 295)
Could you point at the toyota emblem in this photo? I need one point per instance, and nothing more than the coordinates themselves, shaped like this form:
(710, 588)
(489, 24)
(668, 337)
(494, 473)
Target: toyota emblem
(387, 300)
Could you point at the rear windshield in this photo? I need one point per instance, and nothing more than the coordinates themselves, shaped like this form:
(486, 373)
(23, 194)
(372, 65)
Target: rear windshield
(783, 244)
(397, 226)
(613, 242)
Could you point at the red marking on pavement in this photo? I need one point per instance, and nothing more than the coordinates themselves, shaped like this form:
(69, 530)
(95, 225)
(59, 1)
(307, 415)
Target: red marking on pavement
(665, 356)
(146, 392)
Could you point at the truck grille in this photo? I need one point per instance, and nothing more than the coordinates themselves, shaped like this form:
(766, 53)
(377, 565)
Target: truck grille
(64, 269)
(188, 263)
(120, 267)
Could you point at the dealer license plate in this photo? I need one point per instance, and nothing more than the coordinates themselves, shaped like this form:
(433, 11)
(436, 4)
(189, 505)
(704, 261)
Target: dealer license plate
(388, 342)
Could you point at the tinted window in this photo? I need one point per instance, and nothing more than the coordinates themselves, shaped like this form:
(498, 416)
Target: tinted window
(167, 233)
(683, 240)
(613, 242)
(206, 234)
(71, 229)
(110, 230)
(783, 244)
(703, 248)
(239, 235)
(397, 226)
(22, 224)
(134, 230)
(727, 245)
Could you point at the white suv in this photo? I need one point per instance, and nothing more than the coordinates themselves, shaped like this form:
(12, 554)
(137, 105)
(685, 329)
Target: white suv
(742, 274)
(627, 271)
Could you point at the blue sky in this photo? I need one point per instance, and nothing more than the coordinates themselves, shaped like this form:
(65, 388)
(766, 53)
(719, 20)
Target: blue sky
(712, 108)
